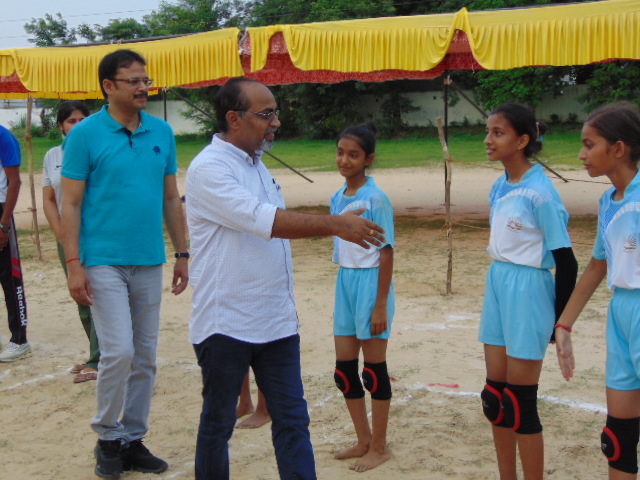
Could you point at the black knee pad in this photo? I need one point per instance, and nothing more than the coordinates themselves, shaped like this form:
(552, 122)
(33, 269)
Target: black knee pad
(347, 378)
(492, 402)
(376, 379)
(520, 405)
(619, 443)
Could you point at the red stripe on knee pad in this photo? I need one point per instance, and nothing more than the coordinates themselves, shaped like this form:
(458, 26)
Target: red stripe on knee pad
(374, 378)
(516, 408)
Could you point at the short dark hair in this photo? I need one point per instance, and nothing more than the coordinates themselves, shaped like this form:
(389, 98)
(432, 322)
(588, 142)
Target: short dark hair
(618, 122)
(364, 135)
(66, 109)
(110, 64)
(524, 122)
(230, 98)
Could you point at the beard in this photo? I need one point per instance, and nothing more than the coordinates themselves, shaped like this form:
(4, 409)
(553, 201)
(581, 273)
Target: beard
(267, 145)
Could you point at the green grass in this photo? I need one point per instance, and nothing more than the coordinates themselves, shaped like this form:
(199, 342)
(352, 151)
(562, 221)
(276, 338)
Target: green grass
(319, 155)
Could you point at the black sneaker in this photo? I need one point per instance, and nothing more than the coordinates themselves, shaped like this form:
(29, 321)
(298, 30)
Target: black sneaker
(108, 460)
(138, 457)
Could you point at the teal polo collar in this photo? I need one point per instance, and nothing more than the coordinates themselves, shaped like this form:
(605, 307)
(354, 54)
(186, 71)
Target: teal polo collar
(114, 126)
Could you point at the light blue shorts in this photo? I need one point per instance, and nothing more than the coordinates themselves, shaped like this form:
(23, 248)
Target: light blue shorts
(623, 340)
(519, 310)
(356, 294)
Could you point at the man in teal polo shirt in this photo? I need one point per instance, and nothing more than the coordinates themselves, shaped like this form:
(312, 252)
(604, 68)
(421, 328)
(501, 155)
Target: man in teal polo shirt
(118, 184)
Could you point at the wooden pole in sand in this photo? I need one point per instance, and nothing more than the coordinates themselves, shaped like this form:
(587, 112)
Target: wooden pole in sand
(34, 209)
(447, 202)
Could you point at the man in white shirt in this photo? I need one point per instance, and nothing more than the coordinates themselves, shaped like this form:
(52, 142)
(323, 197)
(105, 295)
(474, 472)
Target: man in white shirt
(244, 311)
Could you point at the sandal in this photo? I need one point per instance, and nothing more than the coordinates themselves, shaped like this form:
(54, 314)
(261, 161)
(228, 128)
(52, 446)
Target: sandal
(86, 375)
(78, 368)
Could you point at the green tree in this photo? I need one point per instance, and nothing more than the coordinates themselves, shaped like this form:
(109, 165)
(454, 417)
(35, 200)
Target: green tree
(193, 16)
(612, 82)
(50, 31)
(521, 85)
(126, 29)
(272, 12)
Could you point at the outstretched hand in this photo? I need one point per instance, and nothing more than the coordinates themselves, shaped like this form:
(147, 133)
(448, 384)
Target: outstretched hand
(564, 349)
(359, 230)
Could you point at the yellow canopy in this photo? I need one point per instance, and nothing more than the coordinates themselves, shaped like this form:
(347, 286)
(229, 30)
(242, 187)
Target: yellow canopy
(576, 34)
(72, 72)
(402, 43)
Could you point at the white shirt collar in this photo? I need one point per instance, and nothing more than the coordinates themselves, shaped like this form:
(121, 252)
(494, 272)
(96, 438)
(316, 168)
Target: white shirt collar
(238, 152)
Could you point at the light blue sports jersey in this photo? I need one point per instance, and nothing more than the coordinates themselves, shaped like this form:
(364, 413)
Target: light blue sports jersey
(378, 210)
(618, 233)
(528, 220)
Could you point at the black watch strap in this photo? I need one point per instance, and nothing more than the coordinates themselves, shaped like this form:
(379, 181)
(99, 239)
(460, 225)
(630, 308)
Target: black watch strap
(183, 255)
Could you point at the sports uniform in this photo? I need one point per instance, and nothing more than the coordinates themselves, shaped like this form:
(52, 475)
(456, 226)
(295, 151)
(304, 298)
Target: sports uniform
(528, 222)
(357, 284)
(616, 243)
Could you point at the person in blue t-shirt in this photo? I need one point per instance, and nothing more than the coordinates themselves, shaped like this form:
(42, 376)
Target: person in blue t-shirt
(365, 301)
(10, 269)
(611, 147)
(522, 299)
(118, 184)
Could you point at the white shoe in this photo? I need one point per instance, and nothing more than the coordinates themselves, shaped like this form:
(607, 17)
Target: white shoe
(15, 352)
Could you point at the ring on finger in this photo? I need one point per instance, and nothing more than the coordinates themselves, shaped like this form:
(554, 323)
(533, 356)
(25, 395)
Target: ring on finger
(371, 232)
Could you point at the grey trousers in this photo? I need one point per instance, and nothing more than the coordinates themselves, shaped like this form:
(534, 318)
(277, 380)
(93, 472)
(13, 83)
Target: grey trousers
(126, 315)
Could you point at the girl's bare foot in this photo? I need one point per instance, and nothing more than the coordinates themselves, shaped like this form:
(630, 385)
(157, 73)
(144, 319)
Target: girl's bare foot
(371, 460)
(256, 420)
(244, 408)
(352, 452)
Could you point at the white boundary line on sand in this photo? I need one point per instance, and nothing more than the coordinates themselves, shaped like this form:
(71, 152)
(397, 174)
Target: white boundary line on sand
(589, 407)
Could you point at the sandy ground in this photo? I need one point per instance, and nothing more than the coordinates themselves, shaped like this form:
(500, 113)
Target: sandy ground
(436, 429)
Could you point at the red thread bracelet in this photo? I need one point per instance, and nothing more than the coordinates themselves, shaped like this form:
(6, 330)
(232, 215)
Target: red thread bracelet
(564, 327)
(72, 259)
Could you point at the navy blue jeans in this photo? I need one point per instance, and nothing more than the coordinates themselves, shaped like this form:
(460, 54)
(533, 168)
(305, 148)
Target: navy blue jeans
(224, 362)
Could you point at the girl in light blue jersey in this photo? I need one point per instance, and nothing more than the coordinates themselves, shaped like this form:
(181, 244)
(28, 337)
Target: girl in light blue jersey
(522, 299)
(611, 147)
(70, 114)
(365, 301)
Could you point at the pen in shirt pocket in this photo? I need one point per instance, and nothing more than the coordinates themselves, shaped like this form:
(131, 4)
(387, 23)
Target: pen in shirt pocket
(278, 187)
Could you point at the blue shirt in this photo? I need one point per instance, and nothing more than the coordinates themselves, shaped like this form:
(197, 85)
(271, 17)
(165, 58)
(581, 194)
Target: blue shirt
(528, 220)
(123, 205)
(618, 233)
(378, 210)
(10, 156)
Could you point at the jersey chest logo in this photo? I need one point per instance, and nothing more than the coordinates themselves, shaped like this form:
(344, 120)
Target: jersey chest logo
(515, 224)
(630, 244)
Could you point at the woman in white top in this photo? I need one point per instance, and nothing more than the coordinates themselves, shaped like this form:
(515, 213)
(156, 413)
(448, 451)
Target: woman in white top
(69, 115)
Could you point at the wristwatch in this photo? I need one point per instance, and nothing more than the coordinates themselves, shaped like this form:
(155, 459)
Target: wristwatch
(178, 254)
(7, 229)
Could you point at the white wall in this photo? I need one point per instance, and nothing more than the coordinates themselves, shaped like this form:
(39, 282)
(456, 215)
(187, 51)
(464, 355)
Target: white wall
(175, 108)
(431, 106)
(12, 110)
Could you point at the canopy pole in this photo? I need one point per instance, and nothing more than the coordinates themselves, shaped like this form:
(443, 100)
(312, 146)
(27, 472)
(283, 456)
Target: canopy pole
(484, 114)
(447, 201)
(202, 111)
(34, 209)
(164, 103)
